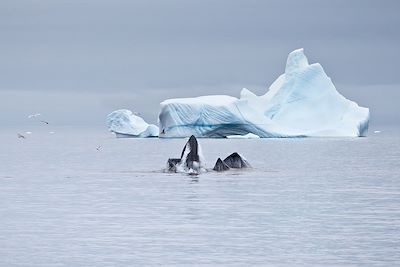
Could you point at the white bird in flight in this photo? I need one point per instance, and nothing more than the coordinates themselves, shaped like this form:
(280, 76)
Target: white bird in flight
(34, 115)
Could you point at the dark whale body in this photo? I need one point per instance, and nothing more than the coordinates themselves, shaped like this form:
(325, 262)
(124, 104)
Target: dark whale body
(220, 166)
(235, 161)
(193, 155)
(192, 160)
(171, 164)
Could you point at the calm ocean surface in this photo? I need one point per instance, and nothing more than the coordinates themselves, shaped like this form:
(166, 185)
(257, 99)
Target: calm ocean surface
(306, 202)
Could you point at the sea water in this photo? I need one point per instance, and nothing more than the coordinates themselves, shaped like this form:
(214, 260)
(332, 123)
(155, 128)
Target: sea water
(81, 197)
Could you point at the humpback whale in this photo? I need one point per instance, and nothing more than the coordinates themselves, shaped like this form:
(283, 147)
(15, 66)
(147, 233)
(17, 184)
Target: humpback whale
(171, 164)
(236, 161)
(220, 166)
(191, 152)
(190, 160)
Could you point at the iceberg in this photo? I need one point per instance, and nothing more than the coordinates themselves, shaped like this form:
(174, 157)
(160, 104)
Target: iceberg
(126, 124)
(302, 102)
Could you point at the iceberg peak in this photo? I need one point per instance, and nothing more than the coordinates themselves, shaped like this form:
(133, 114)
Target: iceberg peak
(246, 93)
(296, 60)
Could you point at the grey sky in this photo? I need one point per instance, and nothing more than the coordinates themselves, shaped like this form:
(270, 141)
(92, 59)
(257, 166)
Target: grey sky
(76, 61)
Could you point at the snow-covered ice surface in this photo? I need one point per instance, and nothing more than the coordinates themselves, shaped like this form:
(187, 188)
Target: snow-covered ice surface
(305, 202)
(126, 124)
(301, 102)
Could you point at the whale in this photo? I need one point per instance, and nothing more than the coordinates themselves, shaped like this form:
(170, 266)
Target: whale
(171, 164)
(190, 160)
(220, 166)
(191, 151)
(234, 161)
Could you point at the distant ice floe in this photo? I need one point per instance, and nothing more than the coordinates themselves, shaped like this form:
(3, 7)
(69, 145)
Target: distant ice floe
(246, 136)
(301, 102)
(126, 124)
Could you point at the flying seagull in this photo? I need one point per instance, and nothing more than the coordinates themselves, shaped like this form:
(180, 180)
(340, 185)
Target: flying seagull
(21, 136)
(98, 148)
(45, 122)
(34, 115)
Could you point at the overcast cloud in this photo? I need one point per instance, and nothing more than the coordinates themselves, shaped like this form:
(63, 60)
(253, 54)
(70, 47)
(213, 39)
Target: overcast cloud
(76, 61)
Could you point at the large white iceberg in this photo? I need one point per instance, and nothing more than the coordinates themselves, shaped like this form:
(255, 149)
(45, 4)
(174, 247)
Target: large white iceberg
(301, 102)
(126, 124)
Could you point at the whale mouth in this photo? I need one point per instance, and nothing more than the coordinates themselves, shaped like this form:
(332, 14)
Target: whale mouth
(191, 160)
